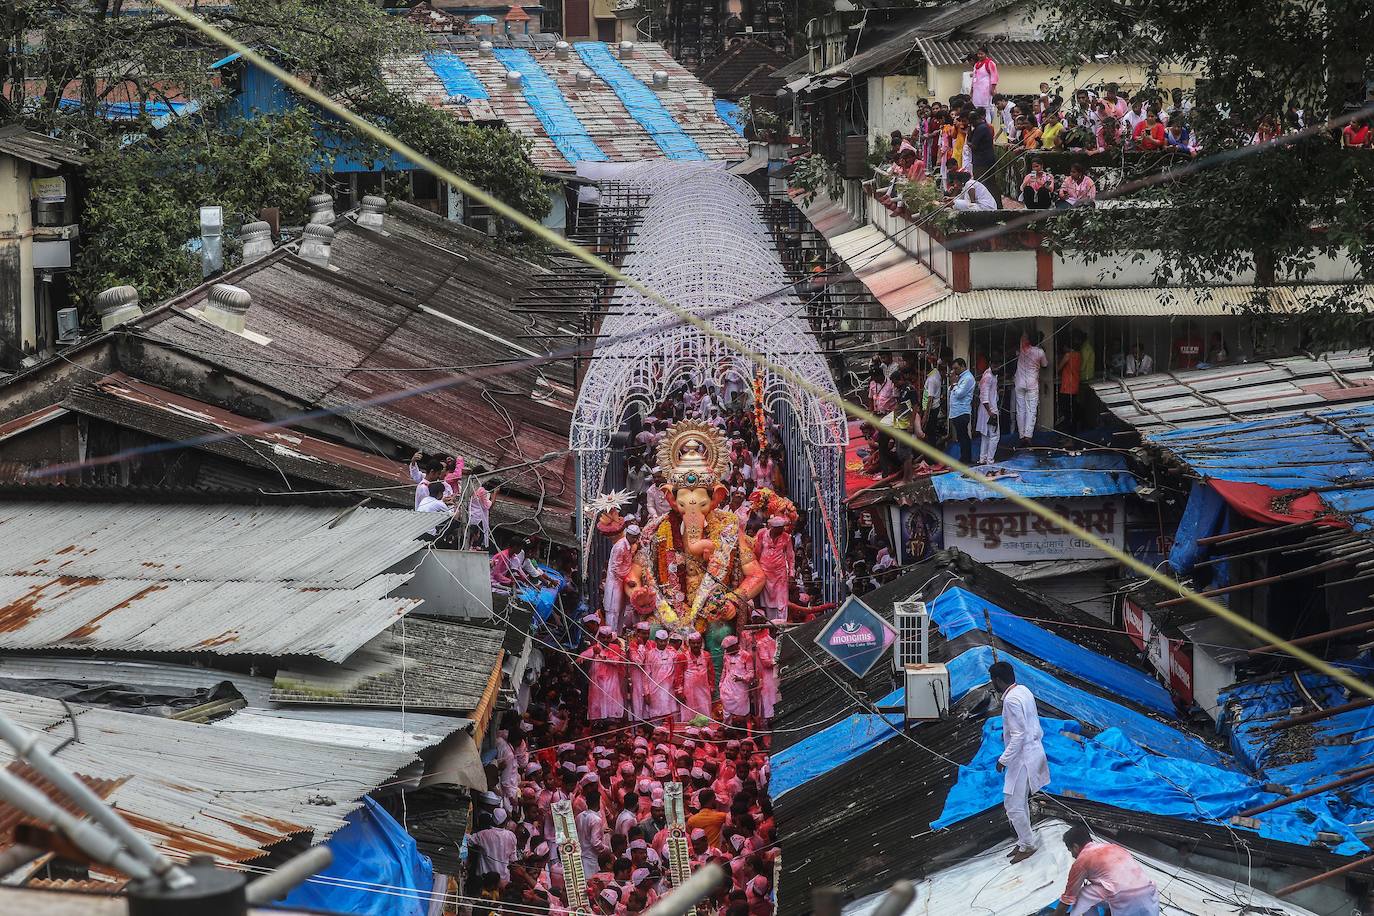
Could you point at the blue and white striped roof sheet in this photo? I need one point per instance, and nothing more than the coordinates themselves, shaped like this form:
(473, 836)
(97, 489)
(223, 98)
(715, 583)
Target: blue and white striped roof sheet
(666, 122)
(1329, 450)
(640, 101)
(542, 94)
(458, 80)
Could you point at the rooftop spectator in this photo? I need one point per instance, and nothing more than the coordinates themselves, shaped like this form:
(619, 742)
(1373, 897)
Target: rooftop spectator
(1077, 189)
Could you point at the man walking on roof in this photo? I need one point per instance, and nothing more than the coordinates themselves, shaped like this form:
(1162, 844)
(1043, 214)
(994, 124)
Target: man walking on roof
(1105, 873)
(1023, 760)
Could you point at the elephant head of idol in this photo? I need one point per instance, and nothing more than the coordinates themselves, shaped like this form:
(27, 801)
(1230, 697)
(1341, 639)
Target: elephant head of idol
(695, 460)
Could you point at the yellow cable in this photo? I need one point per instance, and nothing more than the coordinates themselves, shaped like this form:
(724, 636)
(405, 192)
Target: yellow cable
(1317, 664)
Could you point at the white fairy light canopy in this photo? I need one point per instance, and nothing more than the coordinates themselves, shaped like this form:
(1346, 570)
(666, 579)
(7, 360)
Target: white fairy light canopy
(701, 244)
(698, 241)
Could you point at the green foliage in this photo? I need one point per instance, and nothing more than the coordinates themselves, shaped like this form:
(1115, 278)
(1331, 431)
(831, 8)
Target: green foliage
(1274, 209)
(143, 199)
(496, 160)
(147, 183)
(924, 202)
(814, 174)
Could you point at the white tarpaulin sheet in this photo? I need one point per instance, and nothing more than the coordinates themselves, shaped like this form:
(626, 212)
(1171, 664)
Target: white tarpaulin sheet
(988, 884)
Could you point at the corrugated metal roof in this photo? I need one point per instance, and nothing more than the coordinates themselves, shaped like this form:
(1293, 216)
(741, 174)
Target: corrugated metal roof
(197, 788)
(255, 689)
(391, 308)
(1126, 301)
(948, 52)
(337, 734)
(133, 403)
(37, 148)
(984, 883)
(1330, 451)
(416, 664)
(900, 282)
(1194, 397)
(223, 618)
(185, 543)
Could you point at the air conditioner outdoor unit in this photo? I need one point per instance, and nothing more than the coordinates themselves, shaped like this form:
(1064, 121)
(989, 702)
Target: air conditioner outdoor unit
(913, 633)
(927, 692)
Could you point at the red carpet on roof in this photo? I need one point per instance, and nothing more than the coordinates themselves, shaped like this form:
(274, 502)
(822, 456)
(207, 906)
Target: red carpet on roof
(1276, 507)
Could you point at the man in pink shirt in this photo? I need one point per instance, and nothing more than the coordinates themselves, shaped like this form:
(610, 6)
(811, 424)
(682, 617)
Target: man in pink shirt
(1105, 873)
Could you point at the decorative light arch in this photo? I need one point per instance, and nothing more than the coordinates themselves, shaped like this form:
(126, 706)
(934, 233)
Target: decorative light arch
(699, 242)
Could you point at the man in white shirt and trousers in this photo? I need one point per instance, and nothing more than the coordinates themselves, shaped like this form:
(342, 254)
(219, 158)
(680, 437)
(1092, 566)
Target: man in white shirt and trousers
(1023, 761)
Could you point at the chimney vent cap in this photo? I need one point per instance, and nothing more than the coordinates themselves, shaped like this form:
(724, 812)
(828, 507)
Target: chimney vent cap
(229, 298)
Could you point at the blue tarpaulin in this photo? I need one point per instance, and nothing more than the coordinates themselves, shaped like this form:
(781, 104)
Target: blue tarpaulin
(642, 103)
(859, 733)
(957, 611)
(1113, 770)
(371, 852)
(542, 598)
(731, 114)
(458, 80)
(559, 121)
(829, 748)
(1095, 474)
(1203, 516)
(1326, 449)
(1332, 750)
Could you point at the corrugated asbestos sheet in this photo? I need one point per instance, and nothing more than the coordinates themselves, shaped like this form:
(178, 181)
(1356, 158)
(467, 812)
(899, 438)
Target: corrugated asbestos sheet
(337, 734)
(416, 664)
(393, 320)
(272, 581)
(1195, 397)
(954, 52)
(197, 788)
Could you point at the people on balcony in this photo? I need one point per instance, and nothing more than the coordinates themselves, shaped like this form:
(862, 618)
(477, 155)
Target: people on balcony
(984, 83)
(1052, 131)
(1149, 134)
(968, 193)
(1037, 188)
(1077, 189)
(1356, 135)
(1077, 136)
(1178, 138)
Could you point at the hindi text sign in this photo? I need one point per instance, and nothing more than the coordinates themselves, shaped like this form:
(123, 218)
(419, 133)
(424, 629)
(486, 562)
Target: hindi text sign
(999, 531)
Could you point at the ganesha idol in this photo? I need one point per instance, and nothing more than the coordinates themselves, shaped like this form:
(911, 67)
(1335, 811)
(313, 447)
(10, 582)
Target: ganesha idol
(693, 567)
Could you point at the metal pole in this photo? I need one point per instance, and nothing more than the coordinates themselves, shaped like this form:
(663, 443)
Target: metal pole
(1318, 879)
(280, 882)
(825, 901)
(681, 899)
(95, 842)
(16, 857)
(1318, 715)
(26, 745)
(1359, 776)
(898, 898)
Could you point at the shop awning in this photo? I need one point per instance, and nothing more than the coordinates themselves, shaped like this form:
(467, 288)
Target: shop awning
(899, 281)
(830, 218)
(1147, 301)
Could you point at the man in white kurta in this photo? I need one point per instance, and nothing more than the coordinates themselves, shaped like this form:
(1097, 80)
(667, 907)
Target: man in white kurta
(617, 568)
(1023, 760)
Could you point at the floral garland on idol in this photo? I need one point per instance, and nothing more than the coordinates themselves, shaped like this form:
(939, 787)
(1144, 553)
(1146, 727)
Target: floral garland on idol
(670, 576)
